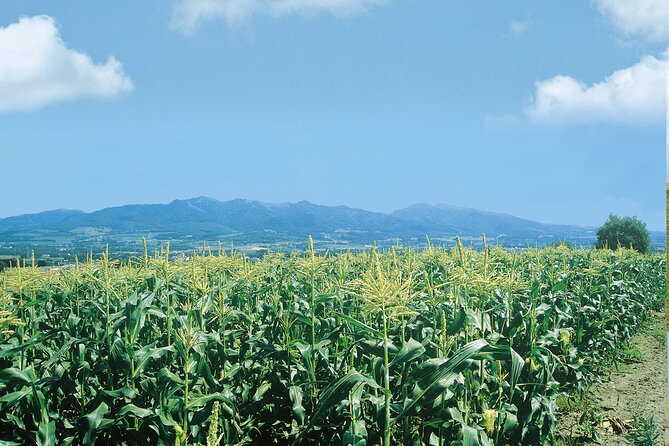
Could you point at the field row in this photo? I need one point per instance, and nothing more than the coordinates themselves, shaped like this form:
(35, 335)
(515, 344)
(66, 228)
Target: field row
(436, 347)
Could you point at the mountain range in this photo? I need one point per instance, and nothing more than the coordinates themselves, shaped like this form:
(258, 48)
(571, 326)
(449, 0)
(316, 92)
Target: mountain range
(251, 222)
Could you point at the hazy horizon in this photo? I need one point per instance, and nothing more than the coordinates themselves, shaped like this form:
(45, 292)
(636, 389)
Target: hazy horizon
(314, 203)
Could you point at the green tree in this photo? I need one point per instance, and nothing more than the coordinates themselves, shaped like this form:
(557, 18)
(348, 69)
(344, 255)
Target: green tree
(623, 231)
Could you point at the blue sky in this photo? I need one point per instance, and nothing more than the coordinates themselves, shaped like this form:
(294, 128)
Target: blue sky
(553, 111)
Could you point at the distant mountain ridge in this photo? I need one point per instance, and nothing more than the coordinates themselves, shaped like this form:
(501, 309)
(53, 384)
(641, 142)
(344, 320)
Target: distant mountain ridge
(204, 218)
(40, 219)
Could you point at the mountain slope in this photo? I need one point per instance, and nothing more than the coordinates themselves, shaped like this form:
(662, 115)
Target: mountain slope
(206, 216)
(465, 221)
(35, 221)
(249, 221)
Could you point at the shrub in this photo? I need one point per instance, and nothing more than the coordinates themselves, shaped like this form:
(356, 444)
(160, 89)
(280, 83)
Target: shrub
(627, 232)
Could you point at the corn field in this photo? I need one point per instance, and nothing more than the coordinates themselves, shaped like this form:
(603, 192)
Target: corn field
(433, 347)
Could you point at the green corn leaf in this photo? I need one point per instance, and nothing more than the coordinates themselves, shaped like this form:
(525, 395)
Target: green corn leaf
(429, 378)
(120, 359)
(470, 436)
(148, 352)
(46, 433)
(93, 421)
(133, 410)
(203, 400)
(351, 439)
(295, 394)
(13, 376)
(338, 391)
(459, 322)
(260, 392)
(360, 325)
(412, 350)
(14, 397)
(123, 392)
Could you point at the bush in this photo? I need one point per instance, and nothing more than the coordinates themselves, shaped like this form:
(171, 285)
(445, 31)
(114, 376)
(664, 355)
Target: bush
(627, 232)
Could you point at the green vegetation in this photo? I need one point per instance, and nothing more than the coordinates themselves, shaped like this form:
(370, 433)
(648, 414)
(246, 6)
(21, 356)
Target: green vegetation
(627, 232)
(631, 354)
(436, 347)
(644, 432)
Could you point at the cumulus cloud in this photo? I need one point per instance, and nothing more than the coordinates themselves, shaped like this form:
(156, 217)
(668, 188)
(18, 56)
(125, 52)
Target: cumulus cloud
(37, 68)
(188, 14)
(634, 95)
(649, 18)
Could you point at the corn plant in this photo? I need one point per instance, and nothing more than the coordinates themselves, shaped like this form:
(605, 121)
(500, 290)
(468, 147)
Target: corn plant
(433, 347)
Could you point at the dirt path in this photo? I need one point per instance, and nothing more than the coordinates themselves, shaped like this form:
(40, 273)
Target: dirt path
(638, 388)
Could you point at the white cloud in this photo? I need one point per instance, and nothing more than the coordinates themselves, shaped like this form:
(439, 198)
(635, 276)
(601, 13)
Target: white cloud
(518, 27)
(634, 95)
(649, 18)
(187, 14)
(36, 68)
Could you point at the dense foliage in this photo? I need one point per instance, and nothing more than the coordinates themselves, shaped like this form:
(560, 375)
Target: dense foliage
(627, 232)
(400, 347)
